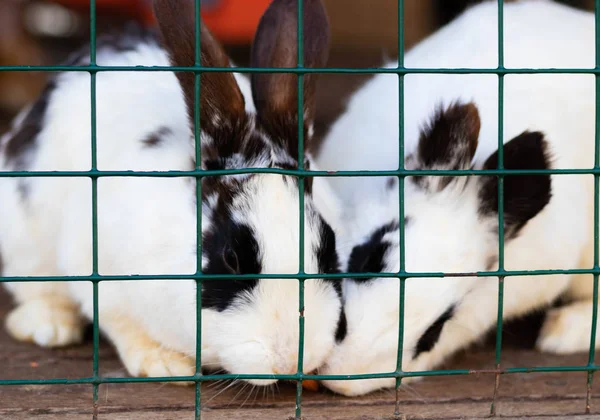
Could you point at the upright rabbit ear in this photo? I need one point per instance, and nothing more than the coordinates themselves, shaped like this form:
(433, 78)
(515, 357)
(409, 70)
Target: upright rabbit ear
(220, 96)
(275, 46)
(448, 142)
(524, 195)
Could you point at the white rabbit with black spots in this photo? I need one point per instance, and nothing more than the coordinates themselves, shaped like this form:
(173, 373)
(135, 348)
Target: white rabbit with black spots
(451, 222)
(148, 225)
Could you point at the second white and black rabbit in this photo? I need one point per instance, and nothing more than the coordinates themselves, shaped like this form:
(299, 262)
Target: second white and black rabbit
(451, 223)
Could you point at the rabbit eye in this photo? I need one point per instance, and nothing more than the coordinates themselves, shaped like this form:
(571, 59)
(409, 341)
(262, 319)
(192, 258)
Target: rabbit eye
(231, 260)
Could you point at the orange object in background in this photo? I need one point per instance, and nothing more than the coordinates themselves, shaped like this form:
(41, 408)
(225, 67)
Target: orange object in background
(234, 21)
(231, 21)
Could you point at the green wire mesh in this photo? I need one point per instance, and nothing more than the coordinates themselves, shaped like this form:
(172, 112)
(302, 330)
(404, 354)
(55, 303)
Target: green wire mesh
(95, 379)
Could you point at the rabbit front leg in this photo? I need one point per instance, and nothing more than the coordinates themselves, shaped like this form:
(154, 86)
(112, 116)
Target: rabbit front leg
(46, 320)
(567, 329)
(141, 355)
(45, 314)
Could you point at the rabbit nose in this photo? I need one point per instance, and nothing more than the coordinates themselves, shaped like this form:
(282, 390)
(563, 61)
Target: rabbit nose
(278, 371)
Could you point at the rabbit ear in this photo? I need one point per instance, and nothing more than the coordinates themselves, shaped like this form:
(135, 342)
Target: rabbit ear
(524, 195)
(220, 96)
(449, 141)
(276, 45)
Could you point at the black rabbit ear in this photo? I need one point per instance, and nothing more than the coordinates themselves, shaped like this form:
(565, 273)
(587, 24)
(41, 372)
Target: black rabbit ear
(524, 195)
(276, 46)
(447, 142)
(221, 99)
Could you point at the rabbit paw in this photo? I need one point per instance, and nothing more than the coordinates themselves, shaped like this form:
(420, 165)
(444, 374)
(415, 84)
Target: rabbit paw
(46, 322)
(567, 329)
(150, 359)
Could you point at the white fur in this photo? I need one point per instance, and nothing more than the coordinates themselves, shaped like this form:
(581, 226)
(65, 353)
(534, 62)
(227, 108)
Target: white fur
(148, 226)
(444, 233)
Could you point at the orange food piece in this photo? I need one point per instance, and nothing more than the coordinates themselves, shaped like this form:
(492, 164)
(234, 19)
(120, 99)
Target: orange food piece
(311, 385)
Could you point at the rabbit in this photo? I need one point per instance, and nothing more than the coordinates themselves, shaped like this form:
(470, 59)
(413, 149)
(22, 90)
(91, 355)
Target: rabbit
(148, 226)
(451, 222)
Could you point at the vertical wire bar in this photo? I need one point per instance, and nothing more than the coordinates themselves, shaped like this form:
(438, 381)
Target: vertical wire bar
(401, 202)
(500, 201)
(300, 34)
(96, 329)
(198, 146)
(592, 352)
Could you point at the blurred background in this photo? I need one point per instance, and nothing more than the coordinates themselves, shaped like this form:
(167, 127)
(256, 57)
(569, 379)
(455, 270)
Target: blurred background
(43, 32)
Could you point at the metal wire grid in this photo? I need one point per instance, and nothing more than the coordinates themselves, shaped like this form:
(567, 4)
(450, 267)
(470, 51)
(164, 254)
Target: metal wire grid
(95, 379)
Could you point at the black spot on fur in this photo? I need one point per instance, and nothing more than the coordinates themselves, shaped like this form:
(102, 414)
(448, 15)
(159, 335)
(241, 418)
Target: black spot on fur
(327, 257)
(226, 242)
(156, 138)
(284, 134)
(24, 138)
(432, 334)
(368, 256)
(524, 195)
(235, 138)
(491, 261)
(391, 183)
(342, 327)
(308, 180)
(328, 263)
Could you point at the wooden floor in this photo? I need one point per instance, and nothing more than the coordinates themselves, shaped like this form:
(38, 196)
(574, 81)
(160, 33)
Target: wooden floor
(531, 396)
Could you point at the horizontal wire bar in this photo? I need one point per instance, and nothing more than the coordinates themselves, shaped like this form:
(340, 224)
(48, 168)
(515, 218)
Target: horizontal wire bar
(297, 276)
(329, 70)
(296, 172)
(303, 377)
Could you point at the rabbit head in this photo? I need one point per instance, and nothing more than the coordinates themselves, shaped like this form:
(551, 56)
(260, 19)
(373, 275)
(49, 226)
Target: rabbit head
(450, 226)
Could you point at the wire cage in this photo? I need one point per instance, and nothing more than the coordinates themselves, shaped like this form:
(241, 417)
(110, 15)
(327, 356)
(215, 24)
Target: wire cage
(95, 379)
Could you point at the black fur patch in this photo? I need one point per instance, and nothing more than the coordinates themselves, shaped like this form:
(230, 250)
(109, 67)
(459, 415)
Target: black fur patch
(156, 138)
(284, 133)
(24, 137)
(328, 263)
(368, 256)
(342, 327)
(448, 141)
(226, 242)
(391, 183)
(524, 195)
(327, 257)
(308, 180)
(432, 334)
